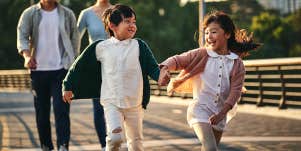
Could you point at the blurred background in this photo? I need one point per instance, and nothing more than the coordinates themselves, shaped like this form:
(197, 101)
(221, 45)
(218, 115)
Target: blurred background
(171, 26)
(269, 112)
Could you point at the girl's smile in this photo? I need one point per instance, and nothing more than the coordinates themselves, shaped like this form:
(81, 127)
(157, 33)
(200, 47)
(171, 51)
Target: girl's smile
(216, 38)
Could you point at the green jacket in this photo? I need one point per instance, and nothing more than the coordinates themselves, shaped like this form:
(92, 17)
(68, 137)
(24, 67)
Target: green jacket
(84, 76)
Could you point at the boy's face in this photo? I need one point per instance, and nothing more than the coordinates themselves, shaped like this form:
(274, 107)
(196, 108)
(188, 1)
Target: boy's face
(126, 29)
(47, 1)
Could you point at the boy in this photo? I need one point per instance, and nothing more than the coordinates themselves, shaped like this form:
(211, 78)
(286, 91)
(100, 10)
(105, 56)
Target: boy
(122, 71)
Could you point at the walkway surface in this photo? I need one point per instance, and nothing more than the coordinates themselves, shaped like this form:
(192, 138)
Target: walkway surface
(165, 127)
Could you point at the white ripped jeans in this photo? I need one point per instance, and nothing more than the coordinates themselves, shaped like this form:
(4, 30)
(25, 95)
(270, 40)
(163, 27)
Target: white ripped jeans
(130, 120)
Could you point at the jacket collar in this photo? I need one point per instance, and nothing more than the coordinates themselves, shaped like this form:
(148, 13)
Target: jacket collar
(213, 54)
(123, 42)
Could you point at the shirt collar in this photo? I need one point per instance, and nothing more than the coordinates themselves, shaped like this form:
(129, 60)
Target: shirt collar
(123, 42)
(212, 53)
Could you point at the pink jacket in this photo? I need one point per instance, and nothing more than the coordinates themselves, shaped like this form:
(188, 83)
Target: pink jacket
(193, 62)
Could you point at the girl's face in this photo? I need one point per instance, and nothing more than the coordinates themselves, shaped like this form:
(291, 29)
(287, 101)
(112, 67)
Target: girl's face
(126, 29)
(216, 38)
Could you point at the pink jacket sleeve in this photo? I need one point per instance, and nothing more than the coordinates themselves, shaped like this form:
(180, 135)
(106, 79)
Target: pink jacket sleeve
(179, 62)
(236, 83)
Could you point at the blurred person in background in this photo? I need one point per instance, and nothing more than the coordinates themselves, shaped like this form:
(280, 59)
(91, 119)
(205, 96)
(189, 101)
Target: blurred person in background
(48, 39)
(90, 20)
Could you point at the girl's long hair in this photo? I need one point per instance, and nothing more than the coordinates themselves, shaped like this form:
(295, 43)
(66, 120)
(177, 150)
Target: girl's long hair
(240, 42)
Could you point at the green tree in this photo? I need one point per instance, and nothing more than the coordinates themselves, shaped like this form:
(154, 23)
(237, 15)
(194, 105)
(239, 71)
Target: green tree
(294, 36)
(280, 35)
(241, 11)
(168, 28)
(10, 12)
(268, 29)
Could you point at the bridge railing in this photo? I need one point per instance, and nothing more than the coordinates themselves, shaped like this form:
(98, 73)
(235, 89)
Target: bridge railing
(269, 82)
(14, 81)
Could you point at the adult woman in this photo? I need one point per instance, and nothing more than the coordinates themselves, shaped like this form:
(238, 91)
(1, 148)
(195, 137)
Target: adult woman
(90, 19)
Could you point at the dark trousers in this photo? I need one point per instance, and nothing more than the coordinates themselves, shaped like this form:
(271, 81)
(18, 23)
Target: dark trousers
(47, 84)
(99, 122)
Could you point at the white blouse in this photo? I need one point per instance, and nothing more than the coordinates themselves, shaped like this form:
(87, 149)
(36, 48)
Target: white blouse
(122, 82)
(213, 85)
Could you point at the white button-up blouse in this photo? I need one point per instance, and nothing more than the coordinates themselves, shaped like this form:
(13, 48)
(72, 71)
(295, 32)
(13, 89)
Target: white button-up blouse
(213, 86)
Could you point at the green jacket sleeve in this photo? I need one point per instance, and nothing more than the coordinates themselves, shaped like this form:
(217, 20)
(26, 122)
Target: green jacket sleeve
(84, 76)
(148, 62)
(149, 67)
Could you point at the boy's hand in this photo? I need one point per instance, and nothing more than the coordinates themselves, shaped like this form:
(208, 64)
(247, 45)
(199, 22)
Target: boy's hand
(164, 76)
(67, 96)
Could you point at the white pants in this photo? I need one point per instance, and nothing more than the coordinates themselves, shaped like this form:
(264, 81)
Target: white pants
(130, 121)
(205, 134)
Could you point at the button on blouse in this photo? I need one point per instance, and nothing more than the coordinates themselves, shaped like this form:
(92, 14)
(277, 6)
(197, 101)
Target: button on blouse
(215, 80)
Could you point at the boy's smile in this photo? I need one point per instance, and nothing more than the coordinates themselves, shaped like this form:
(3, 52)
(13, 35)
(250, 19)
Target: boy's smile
(126, 29)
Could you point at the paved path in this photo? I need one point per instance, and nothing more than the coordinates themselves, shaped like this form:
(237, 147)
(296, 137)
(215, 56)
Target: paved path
(165, 127)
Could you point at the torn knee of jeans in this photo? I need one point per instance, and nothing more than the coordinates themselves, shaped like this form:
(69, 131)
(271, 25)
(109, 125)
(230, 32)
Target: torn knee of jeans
(117, 130)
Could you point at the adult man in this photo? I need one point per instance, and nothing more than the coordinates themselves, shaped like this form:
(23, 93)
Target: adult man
(48, 39)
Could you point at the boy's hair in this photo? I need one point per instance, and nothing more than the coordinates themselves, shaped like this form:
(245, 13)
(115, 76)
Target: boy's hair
(239, 42)
(115, 15)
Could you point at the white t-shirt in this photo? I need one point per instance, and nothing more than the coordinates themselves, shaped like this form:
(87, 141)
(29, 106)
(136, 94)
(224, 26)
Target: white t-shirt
(48, 55)
(122, 82)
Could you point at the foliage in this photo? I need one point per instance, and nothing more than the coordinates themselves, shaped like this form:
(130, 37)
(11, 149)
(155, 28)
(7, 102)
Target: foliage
(280, 35)
(294, 26)
(170, 29)
(266, 28)
(8, 23)
(241, 11)
(169, 33)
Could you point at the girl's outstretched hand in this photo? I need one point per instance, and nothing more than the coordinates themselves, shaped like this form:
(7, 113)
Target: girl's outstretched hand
(164, 76)
(216, 118)
(67, 96)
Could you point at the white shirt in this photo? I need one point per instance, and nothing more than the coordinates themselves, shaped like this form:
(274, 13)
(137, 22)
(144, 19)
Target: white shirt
(213, 85)
(122, 82)
(48, 54)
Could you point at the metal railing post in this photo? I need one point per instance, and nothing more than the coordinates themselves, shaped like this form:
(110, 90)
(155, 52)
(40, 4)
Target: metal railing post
(282, 103)
(260, 97)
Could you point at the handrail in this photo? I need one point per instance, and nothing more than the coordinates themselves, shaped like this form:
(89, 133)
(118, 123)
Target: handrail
(269, 82)
(14, 72)
(272, 62)
(15, 80)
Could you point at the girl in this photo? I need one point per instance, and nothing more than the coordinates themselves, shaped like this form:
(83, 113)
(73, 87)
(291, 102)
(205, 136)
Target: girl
(217, 74)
